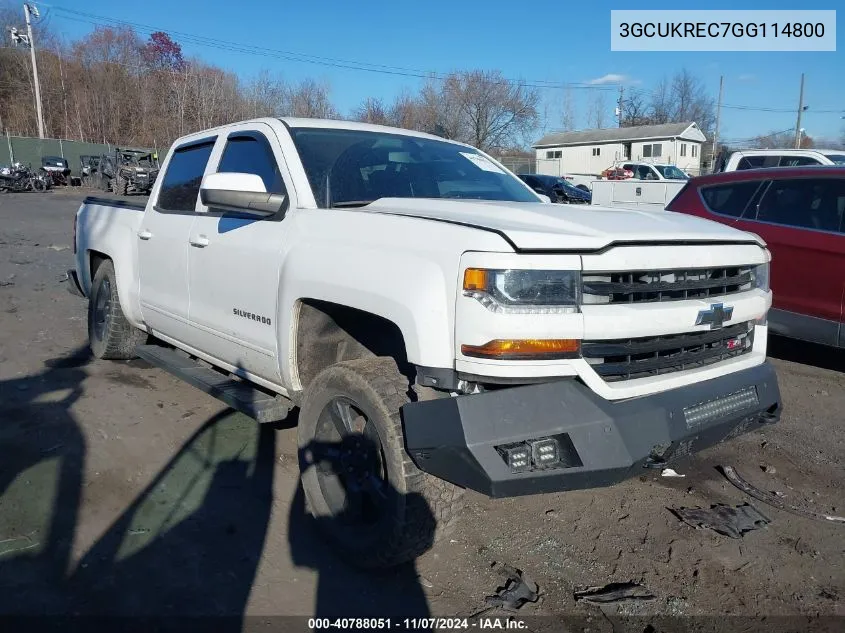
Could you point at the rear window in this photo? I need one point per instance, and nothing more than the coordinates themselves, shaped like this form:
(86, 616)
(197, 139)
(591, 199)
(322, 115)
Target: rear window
(810, 203)
(181, 184)
(729, 199)
(797, 161)
(756, 162)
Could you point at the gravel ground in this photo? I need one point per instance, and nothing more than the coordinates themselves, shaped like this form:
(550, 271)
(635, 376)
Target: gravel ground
(125, 491)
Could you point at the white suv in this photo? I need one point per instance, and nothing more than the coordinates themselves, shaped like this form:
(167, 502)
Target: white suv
(761, 158)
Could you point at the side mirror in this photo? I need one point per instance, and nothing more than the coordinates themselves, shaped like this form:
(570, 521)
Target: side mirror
(244, 193)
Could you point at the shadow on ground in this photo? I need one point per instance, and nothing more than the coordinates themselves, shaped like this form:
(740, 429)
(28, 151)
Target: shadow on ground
(807, 353)
(189, 544)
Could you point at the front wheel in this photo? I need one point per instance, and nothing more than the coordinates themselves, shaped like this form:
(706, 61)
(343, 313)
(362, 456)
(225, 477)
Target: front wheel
(110, 335)
(366, 495)
(120, 185)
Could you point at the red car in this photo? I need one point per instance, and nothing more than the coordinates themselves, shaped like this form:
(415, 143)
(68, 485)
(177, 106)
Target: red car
(799, 213)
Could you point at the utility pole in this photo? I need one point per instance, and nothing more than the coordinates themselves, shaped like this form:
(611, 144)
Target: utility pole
(718, 120)
(619, 106)
(26, 11)
(800, 112)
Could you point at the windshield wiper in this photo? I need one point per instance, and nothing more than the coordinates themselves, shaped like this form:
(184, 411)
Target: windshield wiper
(351, 203)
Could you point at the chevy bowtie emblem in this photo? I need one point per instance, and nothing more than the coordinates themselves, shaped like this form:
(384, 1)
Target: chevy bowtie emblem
(715, 316)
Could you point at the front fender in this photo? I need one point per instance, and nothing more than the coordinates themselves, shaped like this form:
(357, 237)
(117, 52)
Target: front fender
(415, 293)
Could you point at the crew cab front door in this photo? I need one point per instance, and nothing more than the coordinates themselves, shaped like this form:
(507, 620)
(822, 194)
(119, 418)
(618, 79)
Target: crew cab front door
(234, 261)
(163, 242)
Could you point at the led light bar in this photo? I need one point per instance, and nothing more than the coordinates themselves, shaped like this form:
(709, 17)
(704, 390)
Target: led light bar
(721, 407)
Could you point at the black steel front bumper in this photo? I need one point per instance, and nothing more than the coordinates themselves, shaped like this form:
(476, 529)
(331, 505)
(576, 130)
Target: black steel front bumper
(603, 442)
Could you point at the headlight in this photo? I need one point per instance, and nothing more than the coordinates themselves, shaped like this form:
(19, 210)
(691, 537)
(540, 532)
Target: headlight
(524, 291)
(760, 274)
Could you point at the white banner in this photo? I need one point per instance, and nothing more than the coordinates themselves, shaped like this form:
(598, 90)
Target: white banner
(793, 30)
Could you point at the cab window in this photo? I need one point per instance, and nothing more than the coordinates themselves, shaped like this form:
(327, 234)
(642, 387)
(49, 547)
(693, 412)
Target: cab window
(181, 184)
(250, 153)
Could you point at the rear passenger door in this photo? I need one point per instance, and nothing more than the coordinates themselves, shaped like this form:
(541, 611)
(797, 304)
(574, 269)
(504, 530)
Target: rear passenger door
(163, 242)
(801, 220)
(234, 261)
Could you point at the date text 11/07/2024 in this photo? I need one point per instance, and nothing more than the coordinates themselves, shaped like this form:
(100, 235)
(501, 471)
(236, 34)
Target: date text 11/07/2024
(417, 623)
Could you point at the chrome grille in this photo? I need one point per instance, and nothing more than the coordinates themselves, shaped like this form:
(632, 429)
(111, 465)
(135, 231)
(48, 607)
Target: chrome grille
(625, 359)
(665, 285)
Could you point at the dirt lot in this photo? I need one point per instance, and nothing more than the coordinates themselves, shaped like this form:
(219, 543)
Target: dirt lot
(125, 491)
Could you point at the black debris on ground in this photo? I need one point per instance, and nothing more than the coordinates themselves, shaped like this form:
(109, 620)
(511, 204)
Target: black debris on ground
(732, 521)
(517, 590)
(614, 592)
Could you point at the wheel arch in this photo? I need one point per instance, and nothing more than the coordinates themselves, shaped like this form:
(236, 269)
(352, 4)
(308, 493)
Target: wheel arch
(126, 290)
(325, 333)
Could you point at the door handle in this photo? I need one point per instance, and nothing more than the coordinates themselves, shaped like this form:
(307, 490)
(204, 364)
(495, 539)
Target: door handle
(200, 241)
(144, 234)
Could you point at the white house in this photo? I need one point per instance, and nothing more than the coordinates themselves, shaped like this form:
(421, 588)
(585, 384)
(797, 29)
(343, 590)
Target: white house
(593, 151)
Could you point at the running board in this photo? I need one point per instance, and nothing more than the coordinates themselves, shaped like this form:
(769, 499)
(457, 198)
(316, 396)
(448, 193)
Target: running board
(240, 395)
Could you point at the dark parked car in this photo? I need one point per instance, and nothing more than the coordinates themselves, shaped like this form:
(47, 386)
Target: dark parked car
(557, 189)
(800, 213)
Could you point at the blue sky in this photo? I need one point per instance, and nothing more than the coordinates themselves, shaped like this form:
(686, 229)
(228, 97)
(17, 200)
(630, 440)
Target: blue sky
(541, 40)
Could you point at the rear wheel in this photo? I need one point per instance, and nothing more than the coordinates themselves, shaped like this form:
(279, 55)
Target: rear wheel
(110, 335)
(366, 495)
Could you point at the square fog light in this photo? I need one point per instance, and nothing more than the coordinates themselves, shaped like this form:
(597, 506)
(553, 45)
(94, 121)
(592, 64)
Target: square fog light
(518, 458)
(545, 453)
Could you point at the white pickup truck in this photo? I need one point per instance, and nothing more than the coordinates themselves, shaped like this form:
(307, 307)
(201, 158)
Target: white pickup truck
(437, 324)
(652, 187)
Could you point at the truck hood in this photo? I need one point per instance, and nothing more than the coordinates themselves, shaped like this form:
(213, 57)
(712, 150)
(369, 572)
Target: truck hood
(533, 226)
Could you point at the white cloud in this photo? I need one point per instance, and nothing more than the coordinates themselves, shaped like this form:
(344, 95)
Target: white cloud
(747, 77)
(610, 78)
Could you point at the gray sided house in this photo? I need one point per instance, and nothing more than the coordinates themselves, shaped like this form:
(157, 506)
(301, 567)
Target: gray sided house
(593, 151)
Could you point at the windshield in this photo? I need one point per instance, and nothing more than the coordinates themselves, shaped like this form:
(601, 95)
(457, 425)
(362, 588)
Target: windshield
(838, 159)
(568, 185)
(138, 160)
(670, 172)
(356, 167)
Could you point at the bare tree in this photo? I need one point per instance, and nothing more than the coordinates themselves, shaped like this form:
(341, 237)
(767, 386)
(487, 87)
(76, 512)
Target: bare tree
(372, 110)
(635, 110)
(491, 111)
(660, 108)
(567, 117)
(774, 140)
(597, 110)
(690, 101)
(311, 99)
(405, 112)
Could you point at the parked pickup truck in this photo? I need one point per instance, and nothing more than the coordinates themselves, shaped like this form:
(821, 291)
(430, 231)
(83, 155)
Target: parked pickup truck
(438, 326)
(652, 195)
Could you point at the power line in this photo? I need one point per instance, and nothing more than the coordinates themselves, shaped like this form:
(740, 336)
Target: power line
(252, 49)
(347, 64)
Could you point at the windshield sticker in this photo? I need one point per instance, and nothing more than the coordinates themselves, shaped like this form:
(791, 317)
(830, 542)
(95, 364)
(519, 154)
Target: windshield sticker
(482, 162)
